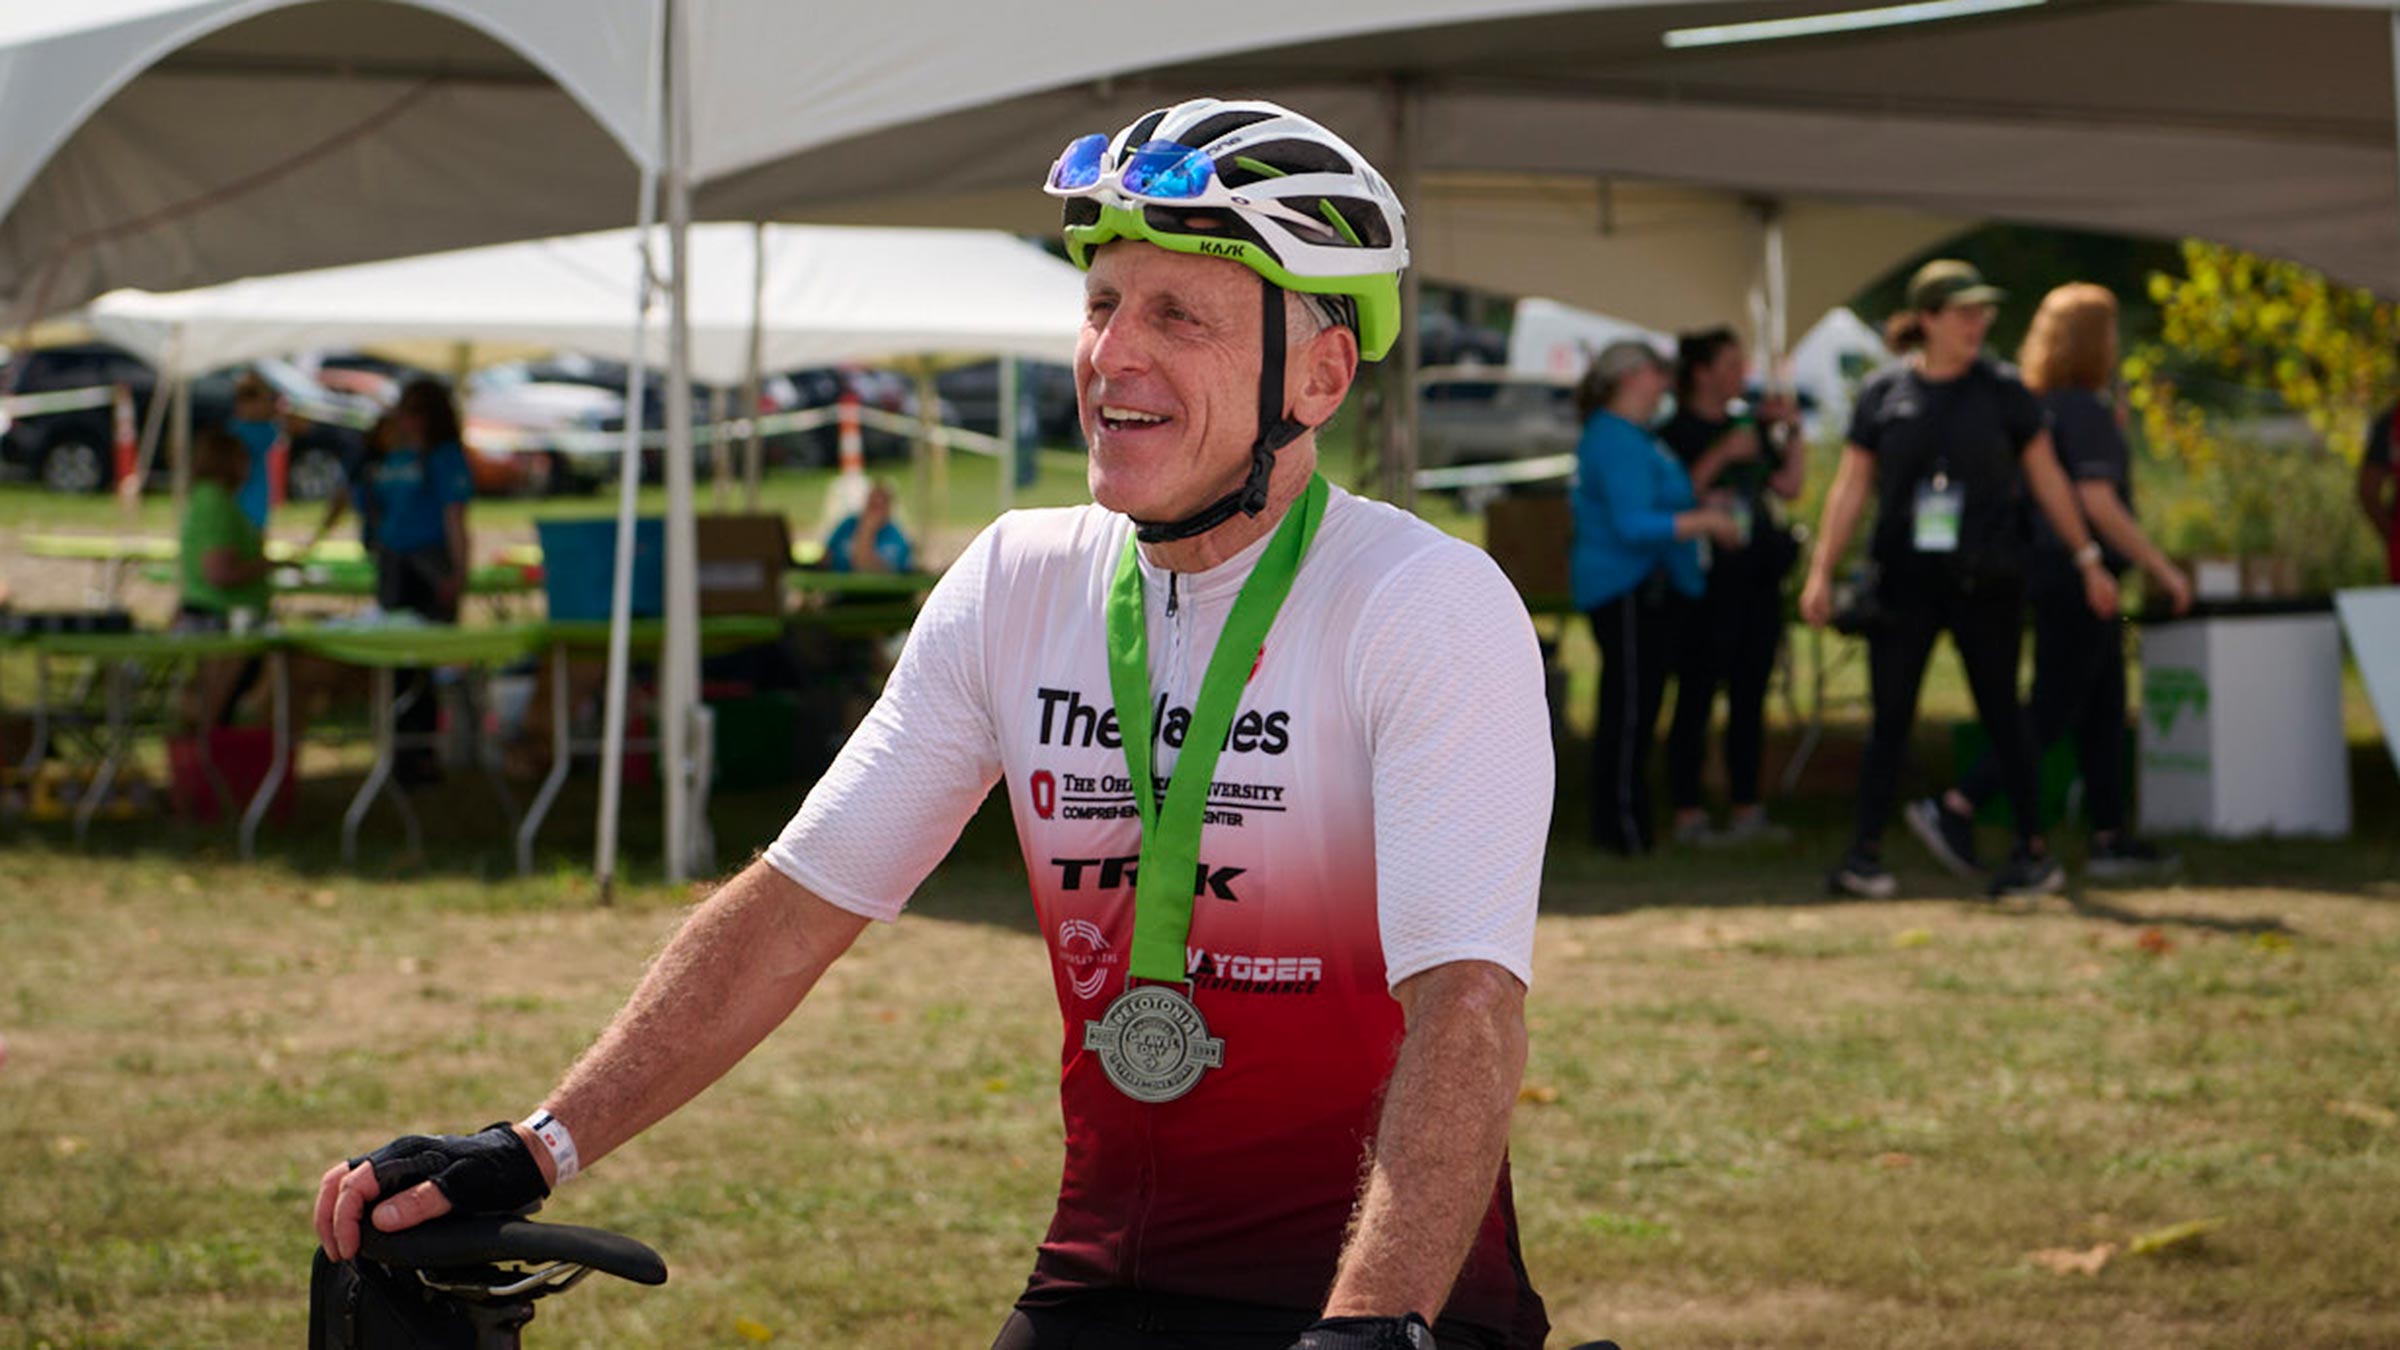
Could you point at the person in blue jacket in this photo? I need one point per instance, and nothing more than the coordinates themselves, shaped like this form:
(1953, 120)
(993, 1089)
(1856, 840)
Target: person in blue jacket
(1635, 563)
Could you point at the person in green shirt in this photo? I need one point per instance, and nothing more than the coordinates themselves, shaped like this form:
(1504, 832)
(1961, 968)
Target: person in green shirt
(225, 572)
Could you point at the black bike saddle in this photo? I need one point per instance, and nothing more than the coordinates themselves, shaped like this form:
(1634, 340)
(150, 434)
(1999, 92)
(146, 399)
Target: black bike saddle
(489, 1239)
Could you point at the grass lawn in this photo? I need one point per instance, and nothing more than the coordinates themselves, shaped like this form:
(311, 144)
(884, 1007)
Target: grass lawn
(1753, 1117)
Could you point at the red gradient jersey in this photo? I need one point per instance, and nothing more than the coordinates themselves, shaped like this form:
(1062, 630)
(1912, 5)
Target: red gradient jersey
(1378, 809)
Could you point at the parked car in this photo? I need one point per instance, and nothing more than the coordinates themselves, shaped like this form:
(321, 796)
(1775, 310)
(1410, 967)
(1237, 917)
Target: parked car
(821, 387)
(1045, 401)
(74, 449)
(1486, 414)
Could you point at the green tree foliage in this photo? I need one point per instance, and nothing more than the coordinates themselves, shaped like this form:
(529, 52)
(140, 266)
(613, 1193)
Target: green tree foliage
(2235, 322)
(2241, 338)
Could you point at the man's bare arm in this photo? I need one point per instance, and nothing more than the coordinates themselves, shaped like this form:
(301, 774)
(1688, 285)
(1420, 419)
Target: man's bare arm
(1438, 1147)
(738, 966)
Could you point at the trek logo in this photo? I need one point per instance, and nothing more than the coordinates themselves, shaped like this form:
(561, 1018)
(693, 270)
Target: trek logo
(2168, 691)
(1068, 720)
(1107, 874)
(1243, 973)
(1083, 950)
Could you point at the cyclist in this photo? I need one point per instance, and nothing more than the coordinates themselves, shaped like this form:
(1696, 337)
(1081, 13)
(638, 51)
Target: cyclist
(1280, 767)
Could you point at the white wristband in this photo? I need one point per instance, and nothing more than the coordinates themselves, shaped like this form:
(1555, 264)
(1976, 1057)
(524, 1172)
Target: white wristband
(553, 1134)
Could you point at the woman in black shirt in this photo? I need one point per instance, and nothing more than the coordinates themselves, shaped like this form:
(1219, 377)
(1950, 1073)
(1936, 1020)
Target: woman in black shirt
(2070, 359)
(1949, 442)
(1750, 459)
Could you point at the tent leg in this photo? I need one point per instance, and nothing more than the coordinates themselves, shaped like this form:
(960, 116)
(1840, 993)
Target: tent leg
(679, 663)
(629, 481)
(753, 449)
(1009, 449)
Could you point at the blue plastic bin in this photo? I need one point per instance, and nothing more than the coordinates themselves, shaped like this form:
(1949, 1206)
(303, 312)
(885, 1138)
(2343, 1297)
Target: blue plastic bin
(579, 557)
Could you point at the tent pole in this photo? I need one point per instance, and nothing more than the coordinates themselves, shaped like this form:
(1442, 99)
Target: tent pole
(1777, 338)
(629, 483)
(753, 450)
(1400, 450)
(1009, 449)
(179, 445)
(720, 449)
(934, 447)
(679, 674)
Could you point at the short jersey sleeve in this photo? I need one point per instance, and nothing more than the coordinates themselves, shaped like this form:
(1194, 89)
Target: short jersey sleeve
(2091, 446)
(916, 769)
(2022, 415)
(1448, 678)
(1866, 416)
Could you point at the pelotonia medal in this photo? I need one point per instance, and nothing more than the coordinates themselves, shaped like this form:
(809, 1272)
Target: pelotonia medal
(1152, 1042)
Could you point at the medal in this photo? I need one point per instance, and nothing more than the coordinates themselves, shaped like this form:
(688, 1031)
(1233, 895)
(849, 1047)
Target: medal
(1152, 1042)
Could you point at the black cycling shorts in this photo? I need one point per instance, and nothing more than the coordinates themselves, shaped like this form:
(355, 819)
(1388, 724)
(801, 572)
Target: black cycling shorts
(1130, 1320)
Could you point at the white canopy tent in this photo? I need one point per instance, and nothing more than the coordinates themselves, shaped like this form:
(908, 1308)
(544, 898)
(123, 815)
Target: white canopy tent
(153, 142)
(831, 294)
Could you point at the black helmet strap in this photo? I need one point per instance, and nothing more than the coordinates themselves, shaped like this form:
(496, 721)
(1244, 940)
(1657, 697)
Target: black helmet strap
(1276, 429)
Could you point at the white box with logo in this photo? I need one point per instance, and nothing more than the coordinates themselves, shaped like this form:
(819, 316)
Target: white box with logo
(2241, 727)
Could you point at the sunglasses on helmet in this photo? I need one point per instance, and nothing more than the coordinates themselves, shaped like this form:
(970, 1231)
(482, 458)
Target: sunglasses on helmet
(1160, 173)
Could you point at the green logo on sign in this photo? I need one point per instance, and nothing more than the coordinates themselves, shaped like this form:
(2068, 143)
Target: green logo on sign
(2168, 690)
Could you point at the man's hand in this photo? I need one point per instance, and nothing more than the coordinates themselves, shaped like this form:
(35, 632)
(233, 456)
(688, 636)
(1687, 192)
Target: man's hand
(496, 1170)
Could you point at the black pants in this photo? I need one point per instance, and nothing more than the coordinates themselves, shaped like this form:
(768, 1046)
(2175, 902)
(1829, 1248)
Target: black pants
(2078, 691)
(1125, 1320)
(413, 583)
(1636, 634)
(1729, 643)
(1986, 621)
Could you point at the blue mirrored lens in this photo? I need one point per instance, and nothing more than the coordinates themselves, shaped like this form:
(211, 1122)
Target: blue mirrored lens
(1166, 171)
(1079, 164)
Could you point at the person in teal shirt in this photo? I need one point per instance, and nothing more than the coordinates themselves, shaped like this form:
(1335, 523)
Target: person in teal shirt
(256, 425)
(417, 493)
(869, 541)
(1636, 554)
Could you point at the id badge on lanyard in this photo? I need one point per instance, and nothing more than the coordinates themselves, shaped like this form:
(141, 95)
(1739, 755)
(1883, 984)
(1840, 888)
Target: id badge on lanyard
(1939, 505)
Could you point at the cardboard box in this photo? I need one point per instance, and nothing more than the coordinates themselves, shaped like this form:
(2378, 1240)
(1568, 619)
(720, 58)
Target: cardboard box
(1530, 537)
(742, 562)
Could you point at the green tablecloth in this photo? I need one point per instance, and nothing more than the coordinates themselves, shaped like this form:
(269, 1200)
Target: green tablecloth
(723, 632)
(101, 547)
(356, 577)
(879, 584)
(152, 646)
(420, 644)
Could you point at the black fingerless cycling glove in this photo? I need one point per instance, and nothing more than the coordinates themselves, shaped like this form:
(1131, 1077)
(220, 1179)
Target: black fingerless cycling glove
(487, 1172)
(1367, 1333)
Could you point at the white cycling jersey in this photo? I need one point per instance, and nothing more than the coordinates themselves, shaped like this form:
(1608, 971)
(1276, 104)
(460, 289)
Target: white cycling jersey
(1379, 809)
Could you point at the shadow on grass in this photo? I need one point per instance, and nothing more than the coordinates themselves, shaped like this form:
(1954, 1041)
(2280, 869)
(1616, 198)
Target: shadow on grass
(469, 846)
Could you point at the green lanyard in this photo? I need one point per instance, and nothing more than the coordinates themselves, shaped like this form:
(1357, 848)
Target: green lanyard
(1163, 886)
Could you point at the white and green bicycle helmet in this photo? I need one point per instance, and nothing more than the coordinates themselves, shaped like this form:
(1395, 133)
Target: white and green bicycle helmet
(1261, 185)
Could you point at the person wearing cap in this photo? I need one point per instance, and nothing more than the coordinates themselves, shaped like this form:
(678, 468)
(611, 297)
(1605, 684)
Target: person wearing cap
(1949, 444)
(2069, 358)
(1291, 983)
(1635, 568)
